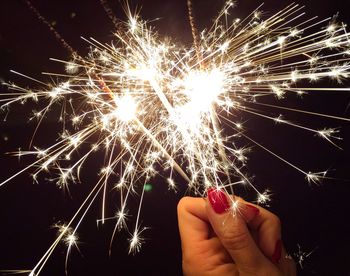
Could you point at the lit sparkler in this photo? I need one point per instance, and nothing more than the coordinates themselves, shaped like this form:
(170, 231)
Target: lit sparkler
(157, 108)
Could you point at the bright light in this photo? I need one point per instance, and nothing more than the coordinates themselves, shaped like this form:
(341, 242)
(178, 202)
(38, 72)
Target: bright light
(203, 88)
(126, 108)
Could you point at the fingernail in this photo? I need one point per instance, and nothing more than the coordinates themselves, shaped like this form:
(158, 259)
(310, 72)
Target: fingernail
(218, 200)
(250, 212)
(277, 253)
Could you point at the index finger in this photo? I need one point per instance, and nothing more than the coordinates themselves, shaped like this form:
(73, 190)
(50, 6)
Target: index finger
(193, 220)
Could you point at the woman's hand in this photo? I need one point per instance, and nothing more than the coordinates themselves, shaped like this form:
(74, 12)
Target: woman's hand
(223, 235)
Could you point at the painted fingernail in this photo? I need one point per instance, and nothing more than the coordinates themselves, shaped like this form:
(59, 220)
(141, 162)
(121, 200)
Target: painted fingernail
(250, 212)
(277, 253)
(218, 200)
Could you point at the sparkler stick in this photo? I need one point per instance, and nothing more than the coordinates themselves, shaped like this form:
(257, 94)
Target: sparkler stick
(196, 43)
(195, 35)
(148, 133)
(52, 29)
(166, 154)
(109, 12)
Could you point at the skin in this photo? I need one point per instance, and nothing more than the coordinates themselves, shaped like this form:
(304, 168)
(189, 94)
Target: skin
(226, 244)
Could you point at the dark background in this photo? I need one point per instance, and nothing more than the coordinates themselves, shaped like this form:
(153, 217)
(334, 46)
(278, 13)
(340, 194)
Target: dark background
(316, 217)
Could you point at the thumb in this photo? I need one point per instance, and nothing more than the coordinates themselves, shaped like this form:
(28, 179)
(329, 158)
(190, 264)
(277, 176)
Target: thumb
(234, 234)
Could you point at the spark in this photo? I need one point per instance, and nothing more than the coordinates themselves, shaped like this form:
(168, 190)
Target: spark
(264, 198)
(136, 241)
(301, 256)
(171, 184)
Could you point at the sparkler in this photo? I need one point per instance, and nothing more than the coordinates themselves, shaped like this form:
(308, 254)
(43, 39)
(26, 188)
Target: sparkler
(157, 108)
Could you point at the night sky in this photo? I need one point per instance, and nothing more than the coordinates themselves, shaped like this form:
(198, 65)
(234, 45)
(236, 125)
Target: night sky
(314, 217)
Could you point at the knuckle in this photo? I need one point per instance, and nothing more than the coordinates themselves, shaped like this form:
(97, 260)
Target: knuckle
(235, 239)
(181, 206)
(275, 220)
(190, 265)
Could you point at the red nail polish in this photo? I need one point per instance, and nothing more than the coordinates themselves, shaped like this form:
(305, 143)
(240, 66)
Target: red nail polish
(218, 200)
(277, 253)
(250, 212)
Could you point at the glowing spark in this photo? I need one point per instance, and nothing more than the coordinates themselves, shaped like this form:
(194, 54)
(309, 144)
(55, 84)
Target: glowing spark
(301, 256)
(264, 198)
(71, 240)
(126, 108)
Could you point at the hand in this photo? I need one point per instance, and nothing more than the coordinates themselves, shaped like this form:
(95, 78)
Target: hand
(224, 235)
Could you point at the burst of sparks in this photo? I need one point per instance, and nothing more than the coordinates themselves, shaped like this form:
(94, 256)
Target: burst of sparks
(301, 256)
(154, 108)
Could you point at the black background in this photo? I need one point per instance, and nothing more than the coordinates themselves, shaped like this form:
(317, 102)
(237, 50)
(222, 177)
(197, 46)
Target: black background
(316, 217)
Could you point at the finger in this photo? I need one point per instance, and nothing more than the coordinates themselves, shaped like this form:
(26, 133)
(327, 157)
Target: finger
(266, 226)
(193, 221)
(287, 264)
(199, 246)
(234, 234)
